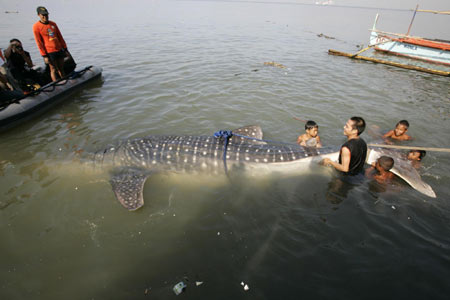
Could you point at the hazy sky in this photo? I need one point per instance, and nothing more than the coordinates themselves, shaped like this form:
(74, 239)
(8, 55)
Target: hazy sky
(397, 4)
(403, 4)
(394, 4)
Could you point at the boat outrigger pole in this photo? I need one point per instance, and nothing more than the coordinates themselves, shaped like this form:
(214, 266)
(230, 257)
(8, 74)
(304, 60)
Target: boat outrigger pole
(412, 20)
(441, 12)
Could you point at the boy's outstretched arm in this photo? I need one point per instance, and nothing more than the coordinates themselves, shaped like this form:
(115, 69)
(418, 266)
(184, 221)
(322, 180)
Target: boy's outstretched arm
(388, 134)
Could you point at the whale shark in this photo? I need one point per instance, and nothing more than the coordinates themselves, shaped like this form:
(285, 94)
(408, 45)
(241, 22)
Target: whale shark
(131, 162)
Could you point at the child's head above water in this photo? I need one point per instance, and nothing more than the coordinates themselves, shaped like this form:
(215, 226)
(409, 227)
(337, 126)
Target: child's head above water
(312, 128)
(310, 125)
(401, 127)
(386, 162)
(416, 154)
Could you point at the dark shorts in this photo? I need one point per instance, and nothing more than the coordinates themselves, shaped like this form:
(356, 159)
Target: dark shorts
(54, 56)
(6, 96)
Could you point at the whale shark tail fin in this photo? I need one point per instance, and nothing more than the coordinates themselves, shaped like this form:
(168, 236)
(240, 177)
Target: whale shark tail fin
(128, 186)
(251, 131)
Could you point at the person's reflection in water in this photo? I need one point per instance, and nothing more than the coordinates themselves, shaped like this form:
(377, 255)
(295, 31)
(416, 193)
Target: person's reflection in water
(376, 188)
(340, 185)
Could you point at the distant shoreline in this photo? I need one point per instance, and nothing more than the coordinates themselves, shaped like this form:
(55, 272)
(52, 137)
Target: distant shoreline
(308, 4)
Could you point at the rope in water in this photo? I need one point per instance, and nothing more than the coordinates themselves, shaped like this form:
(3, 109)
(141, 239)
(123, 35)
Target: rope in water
(225, 135)
(410, 147)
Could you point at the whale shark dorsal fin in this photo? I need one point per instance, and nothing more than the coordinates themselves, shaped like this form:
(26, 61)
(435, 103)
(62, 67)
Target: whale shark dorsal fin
(252, 131)
(128, 186)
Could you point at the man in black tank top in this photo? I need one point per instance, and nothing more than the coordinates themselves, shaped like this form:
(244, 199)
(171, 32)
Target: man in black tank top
(353, 152)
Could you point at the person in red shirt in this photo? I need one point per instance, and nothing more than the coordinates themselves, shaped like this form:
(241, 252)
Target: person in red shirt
(50, 42)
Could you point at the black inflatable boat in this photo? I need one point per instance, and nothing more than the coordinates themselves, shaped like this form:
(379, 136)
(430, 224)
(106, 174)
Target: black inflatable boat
(13, 112)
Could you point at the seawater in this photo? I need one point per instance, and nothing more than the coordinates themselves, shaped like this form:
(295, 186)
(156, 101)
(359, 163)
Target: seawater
(195, 67)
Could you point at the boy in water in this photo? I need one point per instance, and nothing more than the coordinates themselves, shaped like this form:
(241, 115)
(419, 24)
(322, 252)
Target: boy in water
(311, 137)
(382, 167)
(415, 156)
(399, 133)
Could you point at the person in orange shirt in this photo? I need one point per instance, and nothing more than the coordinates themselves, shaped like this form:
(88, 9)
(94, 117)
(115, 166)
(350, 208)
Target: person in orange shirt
(50, 42)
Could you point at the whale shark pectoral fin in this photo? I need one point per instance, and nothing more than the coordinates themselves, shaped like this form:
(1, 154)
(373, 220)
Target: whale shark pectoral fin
(403, 169)
(412, 177)
(253, 131)
(128, 186)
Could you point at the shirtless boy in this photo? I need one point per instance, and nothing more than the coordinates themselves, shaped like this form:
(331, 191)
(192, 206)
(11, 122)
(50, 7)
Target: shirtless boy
(311, 137)
(415, 156)
(381, 168)
(399, 133)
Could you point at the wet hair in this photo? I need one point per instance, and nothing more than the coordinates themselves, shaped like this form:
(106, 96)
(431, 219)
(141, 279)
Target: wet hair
(422, 153)
(15, 40)
(386, 162)
(404, 123)
(310, 125)
(359, 125)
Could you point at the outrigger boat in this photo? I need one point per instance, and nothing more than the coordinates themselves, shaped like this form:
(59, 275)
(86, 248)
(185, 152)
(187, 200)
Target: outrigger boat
(429, 50)
(15, 111)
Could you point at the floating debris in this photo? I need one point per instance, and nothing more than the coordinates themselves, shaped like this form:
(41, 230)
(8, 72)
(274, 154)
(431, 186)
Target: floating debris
(274, 64)
(197, 283)
(246, 288)
(326, 36)
(254, 70)
(179, 288)
(393, 207)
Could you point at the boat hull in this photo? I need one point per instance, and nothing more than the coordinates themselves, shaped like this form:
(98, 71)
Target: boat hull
(51, 94)
(411, 49)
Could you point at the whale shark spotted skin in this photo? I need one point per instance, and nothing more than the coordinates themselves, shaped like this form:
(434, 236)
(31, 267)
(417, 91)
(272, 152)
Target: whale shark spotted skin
(132, 161)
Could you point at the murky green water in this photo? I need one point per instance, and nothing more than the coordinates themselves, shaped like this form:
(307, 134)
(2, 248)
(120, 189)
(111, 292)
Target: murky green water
(195, 67)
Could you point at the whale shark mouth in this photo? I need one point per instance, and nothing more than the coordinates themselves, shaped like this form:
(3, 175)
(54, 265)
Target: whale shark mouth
(132, 162)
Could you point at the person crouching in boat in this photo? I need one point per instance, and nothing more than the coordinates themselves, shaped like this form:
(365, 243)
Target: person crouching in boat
(19, 63)
(51, 43)
(7, 93)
